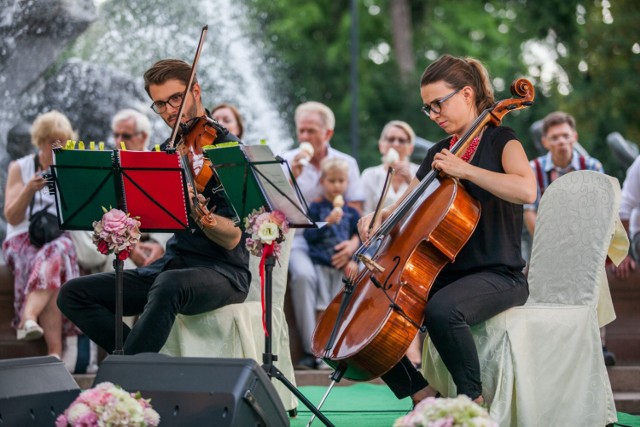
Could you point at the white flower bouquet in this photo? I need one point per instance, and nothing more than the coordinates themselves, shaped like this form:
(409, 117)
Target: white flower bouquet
(267, 229)
(447, 412)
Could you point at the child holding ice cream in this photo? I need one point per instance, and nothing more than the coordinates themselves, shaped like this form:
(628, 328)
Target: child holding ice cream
(342, 224)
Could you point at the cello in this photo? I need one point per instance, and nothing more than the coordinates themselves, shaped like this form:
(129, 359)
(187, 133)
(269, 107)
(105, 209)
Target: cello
(368, 327)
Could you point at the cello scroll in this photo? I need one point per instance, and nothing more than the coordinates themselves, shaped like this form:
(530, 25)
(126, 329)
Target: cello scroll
(523, 93)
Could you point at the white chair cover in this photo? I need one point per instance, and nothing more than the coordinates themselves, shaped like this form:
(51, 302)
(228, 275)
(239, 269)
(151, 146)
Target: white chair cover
(542, 363)
(236, 330)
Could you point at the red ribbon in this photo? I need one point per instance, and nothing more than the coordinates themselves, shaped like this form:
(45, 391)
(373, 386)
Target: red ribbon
(267, 250)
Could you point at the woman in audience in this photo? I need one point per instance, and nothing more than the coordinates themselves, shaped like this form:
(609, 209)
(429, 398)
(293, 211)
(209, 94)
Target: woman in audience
(38, 271)
(396, 144)
(229, 116)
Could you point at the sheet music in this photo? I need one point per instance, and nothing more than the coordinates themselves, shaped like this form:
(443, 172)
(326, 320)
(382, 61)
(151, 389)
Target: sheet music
(275, 185)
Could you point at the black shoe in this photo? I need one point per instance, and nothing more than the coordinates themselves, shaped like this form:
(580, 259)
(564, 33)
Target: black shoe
(307, 362)
(609, 357)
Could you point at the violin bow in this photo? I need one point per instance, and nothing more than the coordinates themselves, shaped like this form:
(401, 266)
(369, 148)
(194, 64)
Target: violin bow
(205, 218)
(192, 75)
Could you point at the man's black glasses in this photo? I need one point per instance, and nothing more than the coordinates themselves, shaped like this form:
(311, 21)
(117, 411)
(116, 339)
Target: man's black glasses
(174, 100)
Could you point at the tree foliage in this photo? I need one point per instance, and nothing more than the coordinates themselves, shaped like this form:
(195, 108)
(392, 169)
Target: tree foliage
(592, 43)
(583, 57)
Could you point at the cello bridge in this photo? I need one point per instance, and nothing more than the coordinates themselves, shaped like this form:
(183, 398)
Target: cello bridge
(370, 264)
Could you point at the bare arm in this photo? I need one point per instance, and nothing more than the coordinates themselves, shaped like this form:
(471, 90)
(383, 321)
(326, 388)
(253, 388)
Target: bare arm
(18, 195)
(530, 220)
(516, 185)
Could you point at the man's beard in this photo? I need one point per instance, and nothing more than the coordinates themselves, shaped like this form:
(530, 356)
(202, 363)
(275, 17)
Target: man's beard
(187, 114)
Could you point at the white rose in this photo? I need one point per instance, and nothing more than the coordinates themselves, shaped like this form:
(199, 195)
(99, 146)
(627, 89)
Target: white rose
(77, 411)
(268, 232)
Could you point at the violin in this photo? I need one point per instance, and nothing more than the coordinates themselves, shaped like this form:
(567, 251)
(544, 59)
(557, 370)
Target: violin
(369, 325)
(196, 134)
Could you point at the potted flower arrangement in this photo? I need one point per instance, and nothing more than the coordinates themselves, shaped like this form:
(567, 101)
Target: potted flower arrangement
(447, 412)
(108, 405)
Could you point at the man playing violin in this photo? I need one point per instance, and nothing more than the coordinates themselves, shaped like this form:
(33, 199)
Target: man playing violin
(203, 268)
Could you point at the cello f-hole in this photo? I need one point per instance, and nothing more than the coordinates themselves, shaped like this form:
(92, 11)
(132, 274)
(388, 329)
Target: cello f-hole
(396, 260)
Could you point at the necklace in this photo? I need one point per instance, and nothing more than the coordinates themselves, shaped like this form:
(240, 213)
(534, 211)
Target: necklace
(471, 149)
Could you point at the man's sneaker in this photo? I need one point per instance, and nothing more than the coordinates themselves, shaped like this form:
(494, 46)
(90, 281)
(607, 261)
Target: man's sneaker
(609, 357)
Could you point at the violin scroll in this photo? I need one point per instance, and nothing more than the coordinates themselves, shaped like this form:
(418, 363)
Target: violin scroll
(200, 213)
(204, 217)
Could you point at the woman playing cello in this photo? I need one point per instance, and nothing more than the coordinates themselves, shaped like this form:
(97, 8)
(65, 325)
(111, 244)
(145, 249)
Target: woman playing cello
(486, 277)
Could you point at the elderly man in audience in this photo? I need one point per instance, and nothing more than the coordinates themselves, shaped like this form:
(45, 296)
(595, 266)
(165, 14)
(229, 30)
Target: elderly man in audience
(315, 123)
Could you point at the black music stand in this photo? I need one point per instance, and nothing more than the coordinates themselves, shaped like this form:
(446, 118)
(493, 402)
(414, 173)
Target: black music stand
(257, 166)
(152, 184)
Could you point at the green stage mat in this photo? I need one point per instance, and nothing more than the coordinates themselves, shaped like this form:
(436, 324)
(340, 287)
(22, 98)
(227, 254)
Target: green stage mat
(373, 405)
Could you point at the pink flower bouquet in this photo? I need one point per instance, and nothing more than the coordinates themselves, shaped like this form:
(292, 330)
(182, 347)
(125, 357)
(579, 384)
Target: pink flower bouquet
(108, 405)
(116, 232)
(266, 228)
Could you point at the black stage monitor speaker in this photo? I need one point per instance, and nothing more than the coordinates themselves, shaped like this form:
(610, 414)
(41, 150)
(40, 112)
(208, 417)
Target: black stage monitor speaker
(34, 391)
(199, 391)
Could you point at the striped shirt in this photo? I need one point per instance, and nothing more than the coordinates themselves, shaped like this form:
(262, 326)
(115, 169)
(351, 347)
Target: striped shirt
(546, 172)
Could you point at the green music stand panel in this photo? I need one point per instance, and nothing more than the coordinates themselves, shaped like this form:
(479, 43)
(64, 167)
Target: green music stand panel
(242, 190)
(85, 183)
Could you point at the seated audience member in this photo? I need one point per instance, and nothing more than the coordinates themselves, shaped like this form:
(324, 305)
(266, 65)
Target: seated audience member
(559, 137)
(630, 217)
(314, 126)
(396, 144)
(229, 116)
(342, 224)
(132, 128)
(39, 271)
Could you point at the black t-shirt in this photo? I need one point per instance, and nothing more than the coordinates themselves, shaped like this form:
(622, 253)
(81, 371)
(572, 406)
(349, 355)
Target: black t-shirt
(495, 243)
(195, 249)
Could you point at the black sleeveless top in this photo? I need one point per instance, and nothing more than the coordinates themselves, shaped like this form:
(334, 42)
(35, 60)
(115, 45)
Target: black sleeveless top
(495, 243)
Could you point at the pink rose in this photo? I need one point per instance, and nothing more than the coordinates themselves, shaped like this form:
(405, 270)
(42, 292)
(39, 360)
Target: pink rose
(89, 419)
(278, 217)
(114, 221)
(61, 421)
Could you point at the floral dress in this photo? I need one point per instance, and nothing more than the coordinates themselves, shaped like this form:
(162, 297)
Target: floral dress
(45, 268)
(42, 268)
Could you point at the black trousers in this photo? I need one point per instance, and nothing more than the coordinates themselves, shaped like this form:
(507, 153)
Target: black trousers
(451, 309)
(89, 302)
